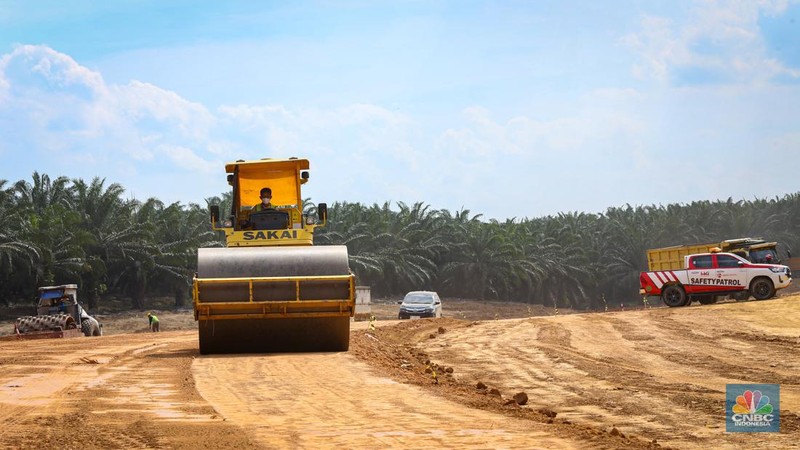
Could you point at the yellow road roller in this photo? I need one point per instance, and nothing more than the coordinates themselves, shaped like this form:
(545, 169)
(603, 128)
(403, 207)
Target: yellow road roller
(270, 289)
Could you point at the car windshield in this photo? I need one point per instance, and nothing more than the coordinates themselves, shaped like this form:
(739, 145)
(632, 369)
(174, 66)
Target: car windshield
(425, 299)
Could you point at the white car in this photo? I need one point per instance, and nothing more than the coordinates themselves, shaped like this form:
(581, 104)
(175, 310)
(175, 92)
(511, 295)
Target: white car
(420, 304)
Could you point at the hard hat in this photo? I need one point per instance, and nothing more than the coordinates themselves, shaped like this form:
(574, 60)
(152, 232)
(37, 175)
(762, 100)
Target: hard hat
(715, 249)
(149, 314)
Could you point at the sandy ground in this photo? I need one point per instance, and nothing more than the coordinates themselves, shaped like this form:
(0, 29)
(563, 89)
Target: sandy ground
(650, 378)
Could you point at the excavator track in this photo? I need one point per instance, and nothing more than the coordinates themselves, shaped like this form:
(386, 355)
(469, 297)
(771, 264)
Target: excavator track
(273, 299)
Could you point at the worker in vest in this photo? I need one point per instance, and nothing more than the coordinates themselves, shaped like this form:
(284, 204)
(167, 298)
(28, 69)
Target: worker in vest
(266, 203)
(153, 322)
(266, 198)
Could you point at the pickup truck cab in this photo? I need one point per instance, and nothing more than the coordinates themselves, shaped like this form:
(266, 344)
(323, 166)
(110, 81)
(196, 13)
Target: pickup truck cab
(708, 275)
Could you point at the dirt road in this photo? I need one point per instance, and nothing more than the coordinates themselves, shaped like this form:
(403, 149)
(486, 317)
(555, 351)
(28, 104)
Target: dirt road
(636, 379)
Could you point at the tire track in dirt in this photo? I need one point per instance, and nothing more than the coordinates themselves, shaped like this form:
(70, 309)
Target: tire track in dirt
(333, 400)
(614, 368)
(107, 392)
(401, 359)
(650, 374)
(722, 355)
(579, 386)
(760, 348)
(752, 354)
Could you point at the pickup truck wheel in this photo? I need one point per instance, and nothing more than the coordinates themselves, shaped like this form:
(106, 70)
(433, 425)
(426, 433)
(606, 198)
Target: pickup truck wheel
(762, 288)
(674, 295)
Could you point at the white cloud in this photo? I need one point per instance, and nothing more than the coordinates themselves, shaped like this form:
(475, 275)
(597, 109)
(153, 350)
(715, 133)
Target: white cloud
(602, 116)
(720, 40)
(54, 68)
(187, 159)
(58, 114)
(155, 142)
(4, 85)
(366, 127)
(144, 100)
(54, 103)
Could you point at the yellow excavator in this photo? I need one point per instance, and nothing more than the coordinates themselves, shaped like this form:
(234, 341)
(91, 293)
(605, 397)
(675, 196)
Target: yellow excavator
(270, 289)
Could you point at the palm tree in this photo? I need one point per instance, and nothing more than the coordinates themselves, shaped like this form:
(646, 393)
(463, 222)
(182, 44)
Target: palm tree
(485, 265)
(18, 255)
(45, 210)
(43, 193)
(177, 232)
(117, 243)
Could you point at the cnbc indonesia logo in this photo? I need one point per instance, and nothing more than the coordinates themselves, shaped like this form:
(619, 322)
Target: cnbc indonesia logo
(752, 409)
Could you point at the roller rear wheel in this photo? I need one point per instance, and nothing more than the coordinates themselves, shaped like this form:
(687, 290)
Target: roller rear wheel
(308, 334)
(90, 327)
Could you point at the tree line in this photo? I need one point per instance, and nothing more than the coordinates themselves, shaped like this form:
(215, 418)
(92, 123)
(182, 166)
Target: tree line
(58, 231)
(578, 260)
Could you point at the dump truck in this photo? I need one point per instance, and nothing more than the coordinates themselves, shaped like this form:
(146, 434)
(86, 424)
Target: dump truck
(270, 289)
(58, 314)
(709, 275)
(754, 250)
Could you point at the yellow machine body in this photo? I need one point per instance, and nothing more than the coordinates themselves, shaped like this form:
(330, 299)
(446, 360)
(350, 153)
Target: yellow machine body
(270, 289)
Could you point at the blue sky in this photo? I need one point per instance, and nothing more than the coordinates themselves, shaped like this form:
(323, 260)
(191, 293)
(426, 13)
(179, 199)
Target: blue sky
(505, 108)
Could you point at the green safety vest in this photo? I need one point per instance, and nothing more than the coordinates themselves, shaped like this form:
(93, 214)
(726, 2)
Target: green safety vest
(261, 207)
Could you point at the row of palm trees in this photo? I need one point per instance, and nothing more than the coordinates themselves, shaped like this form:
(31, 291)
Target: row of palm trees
(67, 231)
(55, 231)
(577, 260)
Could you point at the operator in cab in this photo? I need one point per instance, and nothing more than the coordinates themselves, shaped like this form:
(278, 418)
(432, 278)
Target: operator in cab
(275, 220)
(266, 199)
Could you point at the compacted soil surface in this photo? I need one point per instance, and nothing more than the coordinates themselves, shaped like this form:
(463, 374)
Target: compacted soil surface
(649, 378)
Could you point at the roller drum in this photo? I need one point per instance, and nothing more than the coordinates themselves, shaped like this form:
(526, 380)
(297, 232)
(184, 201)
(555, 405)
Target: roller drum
(252, 262)
(242, 262)
(224, 330)
(56, 322)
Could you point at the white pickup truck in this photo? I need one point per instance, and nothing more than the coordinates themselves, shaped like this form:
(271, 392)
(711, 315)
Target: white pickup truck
(708, 275)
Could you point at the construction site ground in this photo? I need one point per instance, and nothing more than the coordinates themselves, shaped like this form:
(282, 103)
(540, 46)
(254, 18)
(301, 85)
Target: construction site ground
(653, 377)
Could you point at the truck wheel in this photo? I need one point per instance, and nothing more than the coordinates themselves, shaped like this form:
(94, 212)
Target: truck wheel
(762, 288)
(90, 327)
(674, 295)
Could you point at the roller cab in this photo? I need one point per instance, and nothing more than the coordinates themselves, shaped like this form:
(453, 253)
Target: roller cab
(270, 289)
